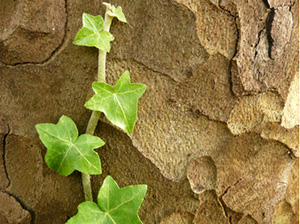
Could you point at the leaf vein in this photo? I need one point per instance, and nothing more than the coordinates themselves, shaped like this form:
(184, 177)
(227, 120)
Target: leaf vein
(95, 28)
(104, 90)
(122, 203)
(84, 157)
(132, 91)
(64, 158)
(111, 219)
(122, 111)
(72, 144)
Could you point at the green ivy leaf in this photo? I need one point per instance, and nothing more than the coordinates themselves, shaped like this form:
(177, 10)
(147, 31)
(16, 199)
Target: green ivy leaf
(115, 205)
(119, 104)
(117, 12)
(66, 151)
(92, 34)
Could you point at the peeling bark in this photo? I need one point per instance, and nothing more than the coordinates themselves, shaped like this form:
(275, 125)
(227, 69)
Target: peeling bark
(222, 84)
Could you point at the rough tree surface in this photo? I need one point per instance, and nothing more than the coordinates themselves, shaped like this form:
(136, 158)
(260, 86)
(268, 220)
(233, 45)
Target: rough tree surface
(217, 136)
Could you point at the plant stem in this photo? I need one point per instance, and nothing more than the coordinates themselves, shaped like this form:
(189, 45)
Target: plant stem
(102, 54)
(86, 183)
(93, 122)
(86, 179)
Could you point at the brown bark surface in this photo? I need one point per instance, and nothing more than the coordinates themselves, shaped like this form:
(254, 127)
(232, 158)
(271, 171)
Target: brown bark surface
(217, 136)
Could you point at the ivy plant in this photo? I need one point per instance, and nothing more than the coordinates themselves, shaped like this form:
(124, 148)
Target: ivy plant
(114, 205)
(67, 151)
(119, 104)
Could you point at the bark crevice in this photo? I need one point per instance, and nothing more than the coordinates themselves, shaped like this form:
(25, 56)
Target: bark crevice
(4, 154)
(269, 21)
(23, 205)
(56, 51)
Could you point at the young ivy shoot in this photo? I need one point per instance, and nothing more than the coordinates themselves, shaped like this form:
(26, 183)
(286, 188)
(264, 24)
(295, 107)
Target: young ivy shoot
(68, 151)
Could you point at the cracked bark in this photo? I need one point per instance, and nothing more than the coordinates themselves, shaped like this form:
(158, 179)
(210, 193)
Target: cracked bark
(4, 154)
(47, 96)
(232, 216)
(224, 206)
(55, 52)
(6, 189)
(235, 53)
(266, 3)
(257, 43)
(17, 211)
(227, 189)
(146, 66)
(269, 21)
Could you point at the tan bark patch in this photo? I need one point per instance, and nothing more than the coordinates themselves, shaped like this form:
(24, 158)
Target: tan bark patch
(179, 218)
(253, 112)
(290, 116)
(202, 174)
(210, 209)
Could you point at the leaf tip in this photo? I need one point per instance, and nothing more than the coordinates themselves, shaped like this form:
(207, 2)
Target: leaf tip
(87, 105)
(145, 188)
(84, 15)
(129, 130)
(144, 86)
(37, 126)
(107, 5)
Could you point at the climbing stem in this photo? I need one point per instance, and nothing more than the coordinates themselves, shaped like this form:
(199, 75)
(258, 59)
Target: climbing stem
(86, 183)
(93, 122)
(86, 179)
(102, 54)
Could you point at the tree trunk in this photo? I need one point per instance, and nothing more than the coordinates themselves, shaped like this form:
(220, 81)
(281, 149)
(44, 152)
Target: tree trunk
(217, 135)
